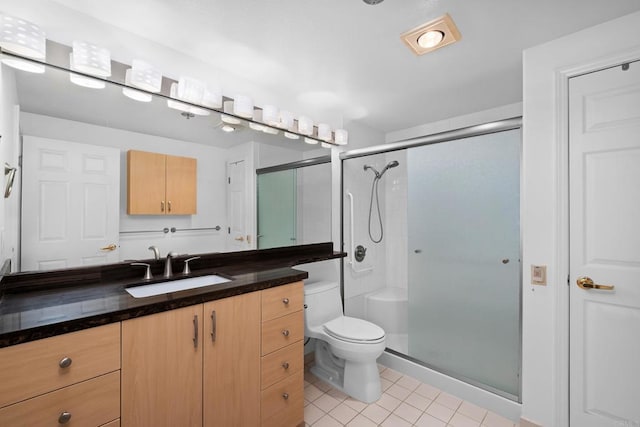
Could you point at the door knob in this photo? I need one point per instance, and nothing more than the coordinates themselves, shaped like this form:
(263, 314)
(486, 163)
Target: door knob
(111, 247)
(587, 283)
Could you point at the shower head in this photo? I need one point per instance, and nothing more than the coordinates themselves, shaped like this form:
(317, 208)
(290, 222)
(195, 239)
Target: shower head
(391, 164)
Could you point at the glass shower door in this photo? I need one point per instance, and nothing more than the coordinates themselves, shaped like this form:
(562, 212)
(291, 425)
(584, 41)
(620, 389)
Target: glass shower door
(464, 259)
(277, 210)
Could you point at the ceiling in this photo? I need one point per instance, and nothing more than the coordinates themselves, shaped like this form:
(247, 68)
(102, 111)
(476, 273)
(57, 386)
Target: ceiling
(343, 60)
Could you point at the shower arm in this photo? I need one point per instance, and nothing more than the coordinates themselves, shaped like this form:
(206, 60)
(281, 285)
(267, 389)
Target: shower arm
(352, 242)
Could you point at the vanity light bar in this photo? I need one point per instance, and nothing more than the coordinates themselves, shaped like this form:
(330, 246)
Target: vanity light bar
(271, 119)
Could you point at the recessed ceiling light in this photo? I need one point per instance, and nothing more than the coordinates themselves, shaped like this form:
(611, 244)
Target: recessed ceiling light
(430, 39)
(228, 128)
(432, 35)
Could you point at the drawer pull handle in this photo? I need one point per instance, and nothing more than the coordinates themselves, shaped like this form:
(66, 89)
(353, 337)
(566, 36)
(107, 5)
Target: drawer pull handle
(285, 396)
(65, 362)
(285, 332)
(285, 365)
(285, 301)
(64, 417)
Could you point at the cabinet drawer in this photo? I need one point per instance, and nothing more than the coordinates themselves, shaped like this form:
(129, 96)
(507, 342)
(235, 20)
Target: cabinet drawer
(283, 402)
(35, 368)
(282, 363)
(90, 403)
(282, 300)
(281, 332)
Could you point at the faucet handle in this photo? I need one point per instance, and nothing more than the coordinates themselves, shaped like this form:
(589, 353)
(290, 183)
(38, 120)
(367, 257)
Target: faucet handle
(187, 270)
(147, 274)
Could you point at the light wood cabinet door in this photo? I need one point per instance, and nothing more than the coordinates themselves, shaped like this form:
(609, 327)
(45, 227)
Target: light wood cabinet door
(159, 184)
(232, 362)
(146, 183)
(162, 369)
(89, 403)
(181, 185)
(281, 332)
(38, 367)
(282, 300)
(283, 402)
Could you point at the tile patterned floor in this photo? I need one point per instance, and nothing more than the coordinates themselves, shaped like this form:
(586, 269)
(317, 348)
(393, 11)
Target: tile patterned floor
(405, 401)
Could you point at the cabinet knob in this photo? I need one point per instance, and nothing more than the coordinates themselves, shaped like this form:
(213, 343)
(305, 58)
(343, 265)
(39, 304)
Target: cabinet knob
(64, 417)
(65, 362)
(285, 332)
(285, 396)
(285, 301)
(285, 365)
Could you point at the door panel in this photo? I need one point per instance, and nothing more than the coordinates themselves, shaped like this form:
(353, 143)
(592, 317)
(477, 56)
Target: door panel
(70, 204)
(181, 185)
(604, 153)
(238, 231)
(277, 209)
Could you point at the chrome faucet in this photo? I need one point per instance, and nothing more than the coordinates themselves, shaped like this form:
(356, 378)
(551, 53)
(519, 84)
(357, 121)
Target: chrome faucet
(167, 264)
(156, 252)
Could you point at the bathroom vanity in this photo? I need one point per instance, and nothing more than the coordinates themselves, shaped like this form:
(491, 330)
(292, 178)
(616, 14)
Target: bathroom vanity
(74, 345)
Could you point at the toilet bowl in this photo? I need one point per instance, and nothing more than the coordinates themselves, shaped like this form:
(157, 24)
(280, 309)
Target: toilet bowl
(346, 347)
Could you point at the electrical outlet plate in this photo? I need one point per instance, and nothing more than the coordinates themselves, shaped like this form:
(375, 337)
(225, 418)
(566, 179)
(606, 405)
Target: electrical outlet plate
(539, 275)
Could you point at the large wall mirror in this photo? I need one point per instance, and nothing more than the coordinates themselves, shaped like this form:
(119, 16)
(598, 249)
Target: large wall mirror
(71, 185)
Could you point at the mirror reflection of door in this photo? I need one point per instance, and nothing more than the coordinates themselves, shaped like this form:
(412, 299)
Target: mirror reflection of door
(277, 210)
(70, 204)
(238, 228)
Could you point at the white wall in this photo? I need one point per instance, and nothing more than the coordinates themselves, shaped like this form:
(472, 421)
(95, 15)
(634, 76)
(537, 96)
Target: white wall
(9, 153)
(211, 208)
(545, 204)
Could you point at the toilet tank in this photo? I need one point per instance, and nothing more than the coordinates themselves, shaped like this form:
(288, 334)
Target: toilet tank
(323, 302)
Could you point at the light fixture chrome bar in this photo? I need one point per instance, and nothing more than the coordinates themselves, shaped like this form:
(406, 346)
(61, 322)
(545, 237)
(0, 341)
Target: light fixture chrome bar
(118, 78)
(467, 132)
(295, 165)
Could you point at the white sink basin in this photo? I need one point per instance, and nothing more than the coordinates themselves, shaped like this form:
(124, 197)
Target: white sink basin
(175, 285)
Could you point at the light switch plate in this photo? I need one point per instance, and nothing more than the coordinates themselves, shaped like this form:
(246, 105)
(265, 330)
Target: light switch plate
(539, 275)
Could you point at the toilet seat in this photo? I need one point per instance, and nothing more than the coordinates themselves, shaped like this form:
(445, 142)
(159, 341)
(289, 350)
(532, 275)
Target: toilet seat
(354, 330)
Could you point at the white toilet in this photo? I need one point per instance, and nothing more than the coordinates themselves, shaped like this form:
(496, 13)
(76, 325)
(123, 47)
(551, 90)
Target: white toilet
(346, 347)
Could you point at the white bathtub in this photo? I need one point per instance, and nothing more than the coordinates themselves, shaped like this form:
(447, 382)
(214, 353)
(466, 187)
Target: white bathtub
(388, 308)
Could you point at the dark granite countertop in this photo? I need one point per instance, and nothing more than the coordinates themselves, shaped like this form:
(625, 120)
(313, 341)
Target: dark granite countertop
(40, 305)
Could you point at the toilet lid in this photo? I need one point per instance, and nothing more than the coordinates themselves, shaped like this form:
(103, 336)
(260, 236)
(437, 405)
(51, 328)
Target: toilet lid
(352, 329)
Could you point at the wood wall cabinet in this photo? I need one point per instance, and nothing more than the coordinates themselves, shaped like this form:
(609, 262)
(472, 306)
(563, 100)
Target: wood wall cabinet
(162, 369)
(159, 184)
(72, 378)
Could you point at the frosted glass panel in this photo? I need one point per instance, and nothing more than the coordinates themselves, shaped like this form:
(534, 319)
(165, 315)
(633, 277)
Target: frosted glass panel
(277, 209)
(464, 266)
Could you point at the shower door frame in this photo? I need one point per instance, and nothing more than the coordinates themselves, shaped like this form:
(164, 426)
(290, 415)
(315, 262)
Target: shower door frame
(512, 123)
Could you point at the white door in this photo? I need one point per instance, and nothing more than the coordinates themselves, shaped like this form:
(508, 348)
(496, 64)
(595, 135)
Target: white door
(238, 238)
(70, 204)
(604, 156)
